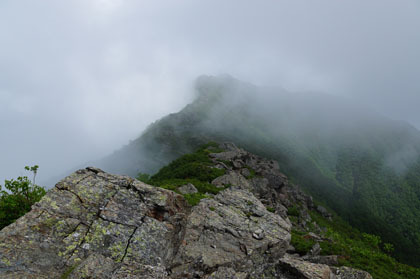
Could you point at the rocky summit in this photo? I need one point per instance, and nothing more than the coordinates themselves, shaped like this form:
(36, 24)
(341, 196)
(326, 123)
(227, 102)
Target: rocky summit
(97, 225)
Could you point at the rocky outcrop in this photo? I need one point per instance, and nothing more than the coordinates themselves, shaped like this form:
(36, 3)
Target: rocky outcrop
(93, 219)
(97, 225)
(232, 230)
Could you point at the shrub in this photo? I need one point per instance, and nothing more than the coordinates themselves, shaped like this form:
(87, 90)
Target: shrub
(293, 211)
(195, 168)
(194, 199)
(21, 194)
(270, 209)
(302, 245)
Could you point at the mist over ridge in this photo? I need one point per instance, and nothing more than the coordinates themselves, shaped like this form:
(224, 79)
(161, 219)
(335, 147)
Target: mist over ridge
(80, 78)
(309, 119)
(342, 153)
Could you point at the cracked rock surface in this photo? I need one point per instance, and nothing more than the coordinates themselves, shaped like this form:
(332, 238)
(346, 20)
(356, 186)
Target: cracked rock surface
(96, 225)
(221, 232)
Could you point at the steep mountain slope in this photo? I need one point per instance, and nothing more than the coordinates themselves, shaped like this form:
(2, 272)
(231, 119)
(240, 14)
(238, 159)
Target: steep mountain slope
(364, 166)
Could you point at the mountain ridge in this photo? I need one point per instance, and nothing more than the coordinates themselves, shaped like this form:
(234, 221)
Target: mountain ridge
(343, 155)
(134, 230)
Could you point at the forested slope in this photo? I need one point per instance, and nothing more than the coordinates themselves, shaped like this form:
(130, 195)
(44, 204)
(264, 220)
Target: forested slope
(364, 166)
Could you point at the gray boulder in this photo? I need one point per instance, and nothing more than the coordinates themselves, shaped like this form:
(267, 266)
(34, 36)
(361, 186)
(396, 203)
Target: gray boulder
(233, 229)
(232, 178)
(187, 189)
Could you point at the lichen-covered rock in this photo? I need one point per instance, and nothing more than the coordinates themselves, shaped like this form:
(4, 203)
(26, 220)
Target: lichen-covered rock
(345, 272)
(94, 219)
(94, 266)
(233, 229)
(305, 270)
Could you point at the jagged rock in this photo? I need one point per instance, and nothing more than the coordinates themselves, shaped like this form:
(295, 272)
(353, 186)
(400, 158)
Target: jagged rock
(232, 152)
(323, 211)
(187, 189)
(304, 218)
(232, 178)
(230, 221)
(241, 158)
(328, 260)
(238, 164)
(304, 270)
(297, 268)
(269, 183)
(93, 218)
(350, 273)
(315, 250)
(245, 172)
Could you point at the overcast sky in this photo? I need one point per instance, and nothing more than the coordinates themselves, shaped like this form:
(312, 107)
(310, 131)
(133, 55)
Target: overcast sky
(80, 78)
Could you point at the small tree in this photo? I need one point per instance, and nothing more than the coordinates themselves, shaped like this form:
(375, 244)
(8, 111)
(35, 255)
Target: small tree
(372, 240)
(33, 169)
(21, 194)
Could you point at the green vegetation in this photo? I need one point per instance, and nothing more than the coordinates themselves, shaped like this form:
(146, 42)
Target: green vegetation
(293, 211)
(355, 249)
(21, 194)
(195, 168)
(194, 199)
(302, 245)
(270, 209)
(190, 166)
(252, 173)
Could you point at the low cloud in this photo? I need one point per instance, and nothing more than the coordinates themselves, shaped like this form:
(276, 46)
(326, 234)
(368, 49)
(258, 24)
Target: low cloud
(81, 78)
